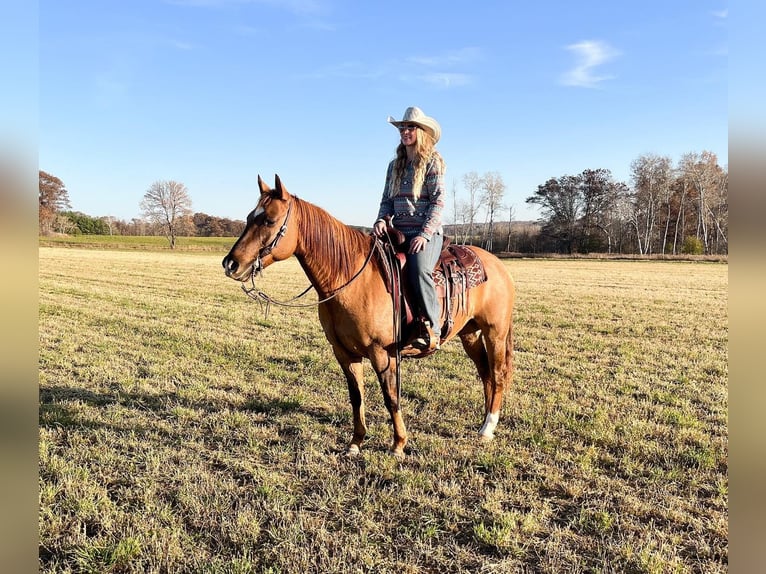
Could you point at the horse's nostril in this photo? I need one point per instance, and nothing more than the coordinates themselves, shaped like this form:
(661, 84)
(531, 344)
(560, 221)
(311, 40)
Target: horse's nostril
(229, 265)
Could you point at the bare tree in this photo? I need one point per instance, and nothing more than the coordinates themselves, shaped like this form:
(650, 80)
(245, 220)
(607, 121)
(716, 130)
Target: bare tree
(719, 213)
(109, 220)
(652, 183)
(62, 224)
(454, 202)
(463, 216)
(510, 221)
(492, 191)
(704, 176)
(616, 226)
(167, 204)
(472, 184)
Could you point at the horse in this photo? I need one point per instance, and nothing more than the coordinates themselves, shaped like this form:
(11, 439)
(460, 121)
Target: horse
(355, 309)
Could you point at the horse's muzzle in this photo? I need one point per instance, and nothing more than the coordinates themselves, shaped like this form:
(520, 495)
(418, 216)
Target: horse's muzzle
(229, 265)
(231, 268)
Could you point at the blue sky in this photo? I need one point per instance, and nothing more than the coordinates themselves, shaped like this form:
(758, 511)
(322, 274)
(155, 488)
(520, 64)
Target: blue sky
(214, 92)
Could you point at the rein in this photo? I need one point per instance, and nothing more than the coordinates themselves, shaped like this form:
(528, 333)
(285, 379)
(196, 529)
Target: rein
(256, 294)
(397, 300)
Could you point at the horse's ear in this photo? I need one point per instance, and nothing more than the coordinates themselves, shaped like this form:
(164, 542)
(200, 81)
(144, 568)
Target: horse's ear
(280, 191)
(262, 185)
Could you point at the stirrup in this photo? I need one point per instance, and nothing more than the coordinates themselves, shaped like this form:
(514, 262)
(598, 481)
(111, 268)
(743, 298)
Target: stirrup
(427, 341)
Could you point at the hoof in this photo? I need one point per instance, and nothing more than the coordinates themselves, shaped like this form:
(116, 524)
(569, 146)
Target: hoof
(353, 450)
(397, 454)
(485, 438)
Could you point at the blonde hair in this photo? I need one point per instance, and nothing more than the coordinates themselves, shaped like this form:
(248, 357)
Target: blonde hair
(424, 152)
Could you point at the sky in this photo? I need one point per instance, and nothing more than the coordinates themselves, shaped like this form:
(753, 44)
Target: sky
(212, 93)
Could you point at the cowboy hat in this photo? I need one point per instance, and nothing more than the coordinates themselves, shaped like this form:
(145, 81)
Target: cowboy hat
(416, 116)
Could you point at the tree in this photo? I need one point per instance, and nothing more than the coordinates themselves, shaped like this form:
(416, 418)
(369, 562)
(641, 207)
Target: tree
(454, 202)
(85, 224)
(577, 209)
(472, 184)
(652, 183)
(53, 199)
(561, 205)
(599, 198)
(719, 213)
(167, 203)
(492, 191)
(63, 224)
(709, 185)
(109, 221)
(510, 221)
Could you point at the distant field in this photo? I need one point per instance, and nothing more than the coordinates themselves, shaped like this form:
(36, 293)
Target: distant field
(142, 243)
(182, 430)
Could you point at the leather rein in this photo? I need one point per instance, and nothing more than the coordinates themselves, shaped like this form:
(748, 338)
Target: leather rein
(256, 294)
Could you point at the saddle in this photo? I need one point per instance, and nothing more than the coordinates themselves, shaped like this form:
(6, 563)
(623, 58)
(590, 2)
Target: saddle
(458, 270)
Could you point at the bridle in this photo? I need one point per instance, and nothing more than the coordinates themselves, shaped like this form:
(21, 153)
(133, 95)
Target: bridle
(256, 294)
(258, 263)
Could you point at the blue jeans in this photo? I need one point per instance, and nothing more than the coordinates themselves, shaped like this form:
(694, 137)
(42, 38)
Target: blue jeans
(420, 273)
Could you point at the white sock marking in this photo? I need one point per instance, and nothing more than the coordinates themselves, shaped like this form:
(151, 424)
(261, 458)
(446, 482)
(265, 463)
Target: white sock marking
(490, 423)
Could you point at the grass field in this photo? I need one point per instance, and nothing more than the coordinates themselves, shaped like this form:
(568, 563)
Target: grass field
(138, 242)
(182, 430)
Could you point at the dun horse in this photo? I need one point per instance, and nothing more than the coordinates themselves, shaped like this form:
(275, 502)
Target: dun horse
(357, 317)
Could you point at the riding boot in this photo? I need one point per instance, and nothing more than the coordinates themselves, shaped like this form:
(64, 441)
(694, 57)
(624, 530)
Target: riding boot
(426, 340)
(433, 337)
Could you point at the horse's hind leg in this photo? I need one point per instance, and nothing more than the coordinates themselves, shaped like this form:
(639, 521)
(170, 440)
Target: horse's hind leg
(499, 345)
(493, 358)
(473, 344)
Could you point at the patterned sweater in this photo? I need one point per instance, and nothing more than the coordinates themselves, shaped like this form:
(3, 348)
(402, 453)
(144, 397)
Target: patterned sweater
(422, 217)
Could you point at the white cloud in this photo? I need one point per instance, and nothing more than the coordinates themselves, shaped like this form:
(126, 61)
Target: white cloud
(447, 80)
(298, 7)
(439, 70)
(352, 70)
(589, 55)
(721, 14)
(179, 45)
(447, 59)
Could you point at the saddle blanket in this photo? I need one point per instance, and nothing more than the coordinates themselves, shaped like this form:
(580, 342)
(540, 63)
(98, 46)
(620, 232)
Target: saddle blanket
(461, 268)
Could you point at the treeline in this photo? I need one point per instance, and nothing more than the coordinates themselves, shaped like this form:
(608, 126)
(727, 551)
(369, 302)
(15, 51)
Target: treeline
(196, 225)
(665, 208)
(507, 237)
(160, 206)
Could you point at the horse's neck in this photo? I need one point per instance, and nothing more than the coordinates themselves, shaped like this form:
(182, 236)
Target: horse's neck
(323, 263)
(320, 278)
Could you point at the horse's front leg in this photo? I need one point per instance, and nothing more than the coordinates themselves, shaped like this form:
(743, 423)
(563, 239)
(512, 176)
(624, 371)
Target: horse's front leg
(385, 367)
(352, 369)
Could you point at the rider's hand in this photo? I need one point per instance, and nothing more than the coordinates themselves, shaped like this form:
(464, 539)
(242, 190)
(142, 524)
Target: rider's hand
(417, 244)
(379, 229)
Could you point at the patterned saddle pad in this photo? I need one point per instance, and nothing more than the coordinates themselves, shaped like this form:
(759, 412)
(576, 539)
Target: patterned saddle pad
(459, 267)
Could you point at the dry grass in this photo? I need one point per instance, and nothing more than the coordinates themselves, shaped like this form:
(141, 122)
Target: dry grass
(183, 431)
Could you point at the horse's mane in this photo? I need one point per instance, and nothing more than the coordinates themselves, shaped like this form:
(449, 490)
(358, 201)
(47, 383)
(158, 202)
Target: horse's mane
(333, 243)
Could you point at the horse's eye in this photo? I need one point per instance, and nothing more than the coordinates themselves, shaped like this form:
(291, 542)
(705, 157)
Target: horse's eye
(260, 218)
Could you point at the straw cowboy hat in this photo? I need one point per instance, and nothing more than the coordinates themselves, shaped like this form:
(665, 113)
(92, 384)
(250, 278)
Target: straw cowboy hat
(416, 116)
